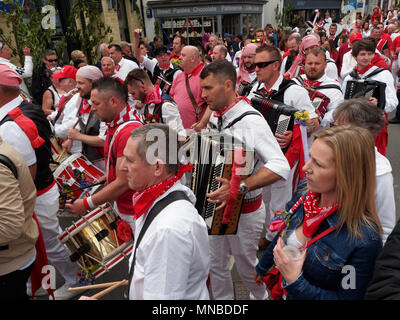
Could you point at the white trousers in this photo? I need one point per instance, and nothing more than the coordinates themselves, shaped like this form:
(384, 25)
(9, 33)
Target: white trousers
(46, 208)
(275, 198)
(243, 246)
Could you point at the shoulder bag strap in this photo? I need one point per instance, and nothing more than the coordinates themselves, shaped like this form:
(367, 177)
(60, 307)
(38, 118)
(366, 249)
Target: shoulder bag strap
(9, 164)
(197, 109)
(157, 208)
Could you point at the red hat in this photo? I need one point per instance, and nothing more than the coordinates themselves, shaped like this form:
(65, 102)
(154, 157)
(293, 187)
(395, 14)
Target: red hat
(66, 72)
(9, 77)
(355, 36)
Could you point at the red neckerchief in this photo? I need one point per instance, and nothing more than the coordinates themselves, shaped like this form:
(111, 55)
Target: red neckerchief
(154, 96)
(314, 215)
(250, 70)
(221, 112)
(117, 67)
(311, 83)
(125, 115)
(163, 69)
(268, 92)
(85, 106)
(143, 200)
(362, 71)
(331, 37)
(195, 70)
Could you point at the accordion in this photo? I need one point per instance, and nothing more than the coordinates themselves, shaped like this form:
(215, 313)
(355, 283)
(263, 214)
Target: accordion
(366, 88)
(319, 101)
(279, 116)
(213, 155)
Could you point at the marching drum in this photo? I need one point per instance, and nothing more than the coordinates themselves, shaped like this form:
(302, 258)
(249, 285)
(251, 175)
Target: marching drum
(75, 177)
(97, 242)
(57, 152)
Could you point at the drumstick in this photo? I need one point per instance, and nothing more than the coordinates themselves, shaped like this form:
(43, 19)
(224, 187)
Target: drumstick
(94, 286)
(65, 150)
(109, 289)
(89, 186)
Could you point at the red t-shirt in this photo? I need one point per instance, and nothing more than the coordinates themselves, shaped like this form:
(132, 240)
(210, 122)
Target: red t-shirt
(124, 201)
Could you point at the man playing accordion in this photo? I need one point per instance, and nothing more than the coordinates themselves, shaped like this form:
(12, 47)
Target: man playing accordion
(235, 116)
(372, 82)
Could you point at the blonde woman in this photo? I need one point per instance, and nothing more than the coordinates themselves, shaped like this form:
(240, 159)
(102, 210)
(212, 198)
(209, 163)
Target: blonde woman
(335, 221)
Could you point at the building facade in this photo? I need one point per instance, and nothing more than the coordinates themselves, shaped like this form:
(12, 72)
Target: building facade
(192, 19)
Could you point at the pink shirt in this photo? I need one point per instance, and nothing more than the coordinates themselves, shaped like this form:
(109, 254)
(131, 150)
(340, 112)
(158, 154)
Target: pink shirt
(179, 94)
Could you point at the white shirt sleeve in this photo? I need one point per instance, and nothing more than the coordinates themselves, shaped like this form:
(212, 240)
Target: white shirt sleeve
(172, 118)
(331, 70)
(15, 136)
(149, 64)
(385, 203)
(336, 98)
(69, 117)
(27, 70)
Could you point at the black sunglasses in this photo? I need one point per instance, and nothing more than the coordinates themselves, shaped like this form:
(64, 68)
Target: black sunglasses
(52, 60)
(264, 64)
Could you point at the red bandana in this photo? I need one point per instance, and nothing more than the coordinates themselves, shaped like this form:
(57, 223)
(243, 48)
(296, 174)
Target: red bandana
(85, 106)
(143, 200)
(314, 215)
(196, 70)
(221, 112)
(250, 70)
(125, 115)
(154, 96)
(117, 67)
(362, 71)
(312, 83)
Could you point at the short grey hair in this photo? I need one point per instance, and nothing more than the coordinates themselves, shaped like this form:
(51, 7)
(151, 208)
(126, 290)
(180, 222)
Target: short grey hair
(167, 152)
(109, 58)
(362, 113)
(102, 46)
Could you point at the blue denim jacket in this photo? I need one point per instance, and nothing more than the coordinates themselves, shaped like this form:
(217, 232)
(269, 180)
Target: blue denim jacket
(324, 275)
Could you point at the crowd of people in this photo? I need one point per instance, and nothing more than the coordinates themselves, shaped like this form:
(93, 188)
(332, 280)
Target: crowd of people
(323, 178)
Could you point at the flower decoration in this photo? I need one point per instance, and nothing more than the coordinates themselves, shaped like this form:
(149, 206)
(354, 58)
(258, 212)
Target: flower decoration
(280, 222)
(152, 118)
(124, 232)
(302, 117)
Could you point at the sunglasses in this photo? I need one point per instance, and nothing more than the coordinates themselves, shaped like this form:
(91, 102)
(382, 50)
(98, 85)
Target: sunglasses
(52, 60)
(55, 69)
(264, 63)
(256, 40)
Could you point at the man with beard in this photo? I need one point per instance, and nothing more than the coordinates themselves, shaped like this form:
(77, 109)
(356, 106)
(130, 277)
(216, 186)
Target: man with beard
(246, 73)
(315, 79)
(293, 45)
(89, 135)
(110, 103)
(157, 107)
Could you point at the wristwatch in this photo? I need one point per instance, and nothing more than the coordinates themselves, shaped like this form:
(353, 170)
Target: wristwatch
(243, 189)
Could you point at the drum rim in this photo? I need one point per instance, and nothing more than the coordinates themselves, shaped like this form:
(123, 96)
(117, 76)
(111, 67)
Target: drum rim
(79, 225)
(62, 165)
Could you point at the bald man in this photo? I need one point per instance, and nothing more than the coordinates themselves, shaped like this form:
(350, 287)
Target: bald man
(186, 91)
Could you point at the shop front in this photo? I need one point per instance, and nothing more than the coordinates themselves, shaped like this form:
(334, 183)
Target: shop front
(193, 19)
(305, 8)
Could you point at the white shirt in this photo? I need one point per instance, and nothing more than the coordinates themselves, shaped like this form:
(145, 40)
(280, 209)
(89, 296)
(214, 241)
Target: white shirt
(386, 77)
(384, 195)
(69, 118)
(294, 96)
(126, 66)
(335, 96)
(170, 116)
(150, 64)
(14, 135)
(173, 258)
(24, 72)
(349, 62)
(255, 133)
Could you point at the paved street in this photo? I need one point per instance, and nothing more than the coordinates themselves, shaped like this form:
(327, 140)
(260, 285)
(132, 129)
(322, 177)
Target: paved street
(120, 271)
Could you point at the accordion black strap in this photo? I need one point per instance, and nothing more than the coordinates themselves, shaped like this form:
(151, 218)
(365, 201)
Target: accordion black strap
(247, 113)
(355, 75)
(329, 86)
(157, 208)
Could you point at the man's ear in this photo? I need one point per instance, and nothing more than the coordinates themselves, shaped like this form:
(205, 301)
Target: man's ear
(159, 168)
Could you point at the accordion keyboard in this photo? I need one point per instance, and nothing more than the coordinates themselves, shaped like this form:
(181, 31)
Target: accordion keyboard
(210, 207)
